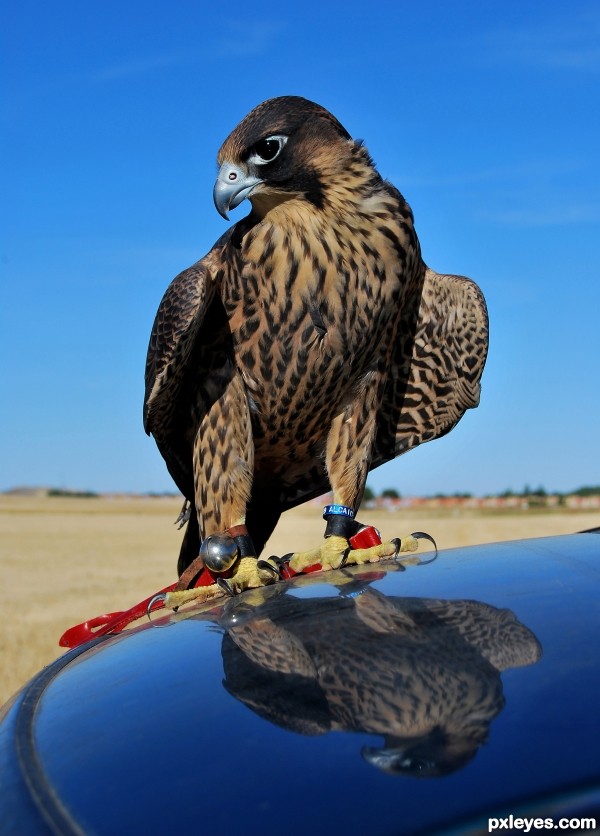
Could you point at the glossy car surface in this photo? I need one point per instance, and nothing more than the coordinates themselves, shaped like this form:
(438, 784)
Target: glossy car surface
(375, 700)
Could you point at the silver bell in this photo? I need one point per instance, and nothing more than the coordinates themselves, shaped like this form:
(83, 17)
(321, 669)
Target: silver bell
(219, 552)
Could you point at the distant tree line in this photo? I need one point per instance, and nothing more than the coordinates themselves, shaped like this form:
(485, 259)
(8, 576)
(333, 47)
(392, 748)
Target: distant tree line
(527, 493)
(78, 494)
(392, 493)
(587, 490)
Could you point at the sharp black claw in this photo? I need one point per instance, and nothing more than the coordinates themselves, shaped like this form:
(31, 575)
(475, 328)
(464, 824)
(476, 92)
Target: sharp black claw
(345, 558)
(160, 596)
(281, 563)
(265, 564)
(225, 586)
(422, 535)
(184, 515)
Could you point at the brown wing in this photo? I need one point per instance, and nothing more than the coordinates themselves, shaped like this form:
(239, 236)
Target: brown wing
(176, 326)
(437, 367)
(176, 331)
(497, 634)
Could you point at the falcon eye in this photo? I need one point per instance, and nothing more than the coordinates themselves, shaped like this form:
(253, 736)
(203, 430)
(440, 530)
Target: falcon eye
(266, 150)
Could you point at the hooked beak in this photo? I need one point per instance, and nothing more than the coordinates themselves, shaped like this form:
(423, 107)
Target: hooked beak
(232, 187)
(397, 761)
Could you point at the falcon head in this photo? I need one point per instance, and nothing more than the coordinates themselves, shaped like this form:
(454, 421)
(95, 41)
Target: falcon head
(286, 147)
(437, 753)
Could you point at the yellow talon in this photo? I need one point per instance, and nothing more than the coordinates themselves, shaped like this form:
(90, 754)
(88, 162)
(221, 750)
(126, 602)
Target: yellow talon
(246, 575)
(408, 544)
(173, 600)
(331, 554)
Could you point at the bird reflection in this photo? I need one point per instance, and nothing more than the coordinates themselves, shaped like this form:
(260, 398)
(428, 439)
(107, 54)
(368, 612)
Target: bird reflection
(423, 673)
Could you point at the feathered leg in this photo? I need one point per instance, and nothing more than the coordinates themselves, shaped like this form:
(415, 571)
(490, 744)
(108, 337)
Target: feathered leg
(223, 475)
(348, 455)
(224, 461)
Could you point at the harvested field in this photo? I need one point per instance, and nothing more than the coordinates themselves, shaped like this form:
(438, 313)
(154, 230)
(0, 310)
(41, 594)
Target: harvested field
(63, 560)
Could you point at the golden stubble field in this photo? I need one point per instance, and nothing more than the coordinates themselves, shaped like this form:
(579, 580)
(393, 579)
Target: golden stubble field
(64, 560)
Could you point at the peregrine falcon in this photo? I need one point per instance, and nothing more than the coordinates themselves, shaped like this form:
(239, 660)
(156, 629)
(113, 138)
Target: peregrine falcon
(310, 345)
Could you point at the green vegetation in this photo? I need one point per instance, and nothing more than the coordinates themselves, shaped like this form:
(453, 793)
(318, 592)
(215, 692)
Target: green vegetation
(390, 493)
(588, 490)
(77, 494)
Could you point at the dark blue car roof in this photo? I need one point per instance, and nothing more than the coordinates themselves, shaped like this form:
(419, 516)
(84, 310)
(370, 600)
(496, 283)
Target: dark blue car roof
(375, 700)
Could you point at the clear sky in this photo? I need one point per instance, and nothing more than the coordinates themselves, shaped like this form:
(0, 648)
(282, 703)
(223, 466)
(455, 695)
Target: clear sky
(485, 115)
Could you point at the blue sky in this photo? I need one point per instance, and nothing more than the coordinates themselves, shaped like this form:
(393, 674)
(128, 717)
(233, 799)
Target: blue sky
(485, 115)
